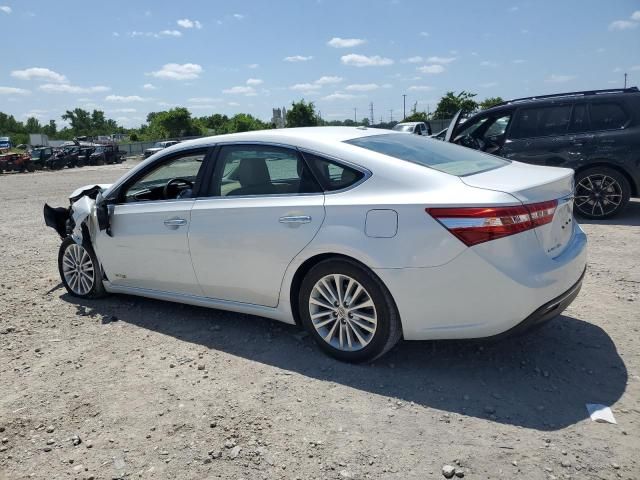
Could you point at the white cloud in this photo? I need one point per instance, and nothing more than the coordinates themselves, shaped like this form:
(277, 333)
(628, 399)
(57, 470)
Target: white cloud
(202, 106)
(304, 87)
(441, 60)
(416, 59)
(13, 91)
(238, 16)
(255, 81)
(115, 34)
(356, 60)
(39, 73)
(204, 100)
(337, 42)
(170, 33)
(635, 68)
(622, 25)
(66, 88)
(556, 78)
(297, 58)
(240, 90)
(124, 110)
(489, 84)
(233, 104)
(431, 69)
(487, 63)
(253, 65)
(186, 23)
(635, 16)
(339, 96)
(149, 86)
(123, 99)
(424, 34)
(420, 88)
(362, 87)
(518, 61)
(328, 80)
(177, 71)
(6, 9)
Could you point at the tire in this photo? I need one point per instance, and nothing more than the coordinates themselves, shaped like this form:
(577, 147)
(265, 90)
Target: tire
(31, 167)
(91, 284)
(601, 193)
(366, 345)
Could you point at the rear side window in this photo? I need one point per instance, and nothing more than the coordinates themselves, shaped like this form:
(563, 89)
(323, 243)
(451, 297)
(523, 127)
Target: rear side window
(440, 156)
(332, 175)
(579, 119)
(607, 116)
(541, 122)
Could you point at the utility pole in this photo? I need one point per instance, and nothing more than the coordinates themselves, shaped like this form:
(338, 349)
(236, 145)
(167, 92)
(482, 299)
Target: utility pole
(625, 80)
(404, 106)
(355, 115)
(371, 113)
(391, 115)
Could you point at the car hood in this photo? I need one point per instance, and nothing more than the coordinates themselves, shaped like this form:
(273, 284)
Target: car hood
(79, 192)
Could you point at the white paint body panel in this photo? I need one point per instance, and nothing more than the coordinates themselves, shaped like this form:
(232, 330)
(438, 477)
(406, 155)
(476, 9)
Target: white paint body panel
(234, 254)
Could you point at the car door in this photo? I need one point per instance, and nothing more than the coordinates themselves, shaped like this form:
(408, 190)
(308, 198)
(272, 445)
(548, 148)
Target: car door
(147, 244)
(264, 207)
(611, 141)
(540, 135)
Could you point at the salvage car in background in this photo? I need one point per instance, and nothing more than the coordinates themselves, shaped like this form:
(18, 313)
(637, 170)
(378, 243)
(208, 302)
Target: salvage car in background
(597, 133)
(159, 146)
(39, 156)
(16, 162)
(362, 237)
(417, 128)
(106, 154)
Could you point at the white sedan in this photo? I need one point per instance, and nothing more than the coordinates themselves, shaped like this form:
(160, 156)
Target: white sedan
(362, 236)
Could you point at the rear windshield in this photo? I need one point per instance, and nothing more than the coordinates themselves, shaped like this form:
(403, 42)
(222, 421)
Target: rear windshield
(403, 128)
(434, 154)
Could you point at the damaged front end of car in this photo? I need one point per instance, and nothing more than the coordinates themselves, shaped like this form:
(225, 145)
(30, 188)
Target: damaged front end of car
(74, 221)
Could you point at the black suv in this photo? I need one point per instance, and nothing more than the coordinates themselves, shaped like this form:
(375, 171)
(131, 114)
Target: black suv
(597, 133)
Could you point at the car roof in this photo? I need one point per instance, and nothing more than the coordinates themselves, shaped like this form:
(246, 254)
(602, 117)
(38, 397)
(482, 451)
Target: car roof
(408, 123)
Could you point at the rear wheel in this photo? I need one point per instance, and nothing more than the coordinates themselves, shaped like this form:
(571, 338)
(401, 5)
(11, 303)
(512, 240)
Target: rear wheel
(601, 193)
(79, 270)
(348, 311)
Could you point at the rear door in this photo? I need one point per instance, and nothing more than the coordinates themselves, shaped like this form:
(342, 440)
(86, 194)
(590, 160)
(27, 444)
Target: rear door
(540, 135)
(264, 207)
(611, 142)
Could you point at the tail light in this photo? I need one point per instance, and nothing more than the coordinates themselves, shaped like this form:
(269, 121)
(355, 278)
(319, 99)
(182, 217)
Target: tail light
(474, 225)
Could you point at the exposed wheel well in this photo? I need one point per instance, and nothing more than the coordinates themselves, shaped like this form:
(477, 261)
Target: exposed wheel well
(303, 269)
(632, 184)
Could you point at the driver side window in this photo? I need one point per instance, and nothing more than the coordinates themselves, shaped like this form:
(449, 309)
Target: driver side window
(169, 180)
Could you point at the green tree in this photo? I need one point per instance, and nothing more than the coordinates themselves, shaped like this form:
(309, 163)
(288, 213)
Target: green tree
(176, 122)
(365, 122)
(490, 102)
(51, 129)
(302, 114)
(79, 120)
(33, 125)
(451, 103)
(417, 117)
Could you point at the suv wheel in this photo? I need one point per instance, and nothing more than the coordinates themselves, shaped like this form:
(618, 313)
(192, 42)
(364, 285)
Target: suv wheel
(348, 311)
(601, 193)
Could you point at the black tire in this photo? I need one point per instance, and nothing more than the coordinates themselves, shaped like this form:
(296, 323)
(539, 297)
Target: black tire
(388, 329)
(601, 193)
(97, 288)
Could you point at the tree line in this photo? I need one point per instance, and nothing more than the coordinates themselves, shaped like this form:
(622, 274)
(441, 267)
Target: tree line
(178, 122)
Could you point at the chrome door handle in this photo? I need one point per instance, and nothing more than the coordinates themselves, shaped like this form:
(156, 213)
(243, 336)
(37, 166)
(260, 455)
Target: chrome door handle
(175, 222)
(295, 219)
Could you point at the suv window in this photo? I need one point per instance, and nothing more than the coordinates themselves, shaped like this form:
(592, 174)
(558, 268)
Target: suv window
(154, 185)
(541, 121)
(262, 170)
(607, 116)
(332, 175)
(579, 119)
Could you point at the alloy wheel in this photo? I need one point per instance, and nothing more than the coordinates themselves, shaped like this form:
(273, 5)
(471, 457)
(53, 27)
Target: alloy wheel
(343, 312)
(598, 195)
(78, 270)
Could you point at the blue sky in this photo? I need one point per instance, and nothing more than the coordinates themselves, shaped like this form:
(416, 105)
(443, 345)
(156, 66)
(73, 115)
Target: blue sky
(132, 57)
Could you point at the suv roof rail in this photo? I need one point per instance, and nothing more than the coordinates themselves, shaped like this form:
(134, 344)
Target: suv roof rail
(572, 94)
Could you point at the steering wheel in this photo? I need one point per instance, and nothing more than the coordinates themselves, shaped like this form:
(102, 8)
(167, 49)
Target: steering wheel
(175, 181)
(470, 142)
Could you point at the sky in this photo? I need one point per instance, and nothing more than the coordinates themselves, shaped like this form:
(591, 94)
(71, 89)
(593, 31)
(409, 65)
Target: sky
(129, 58)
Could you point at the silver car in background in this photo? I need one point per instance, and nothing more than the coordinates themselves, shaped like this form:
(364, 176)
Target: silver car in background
(362, 236)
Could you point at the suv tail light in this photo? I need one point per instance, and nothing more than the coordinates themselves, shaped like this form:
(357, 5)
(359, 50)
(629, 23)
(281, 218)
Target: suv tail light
(474, 225)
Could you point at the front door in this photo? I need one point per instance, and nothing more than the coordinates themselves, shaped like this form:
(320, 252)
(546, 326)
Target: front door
(264, 207)
(148, 247)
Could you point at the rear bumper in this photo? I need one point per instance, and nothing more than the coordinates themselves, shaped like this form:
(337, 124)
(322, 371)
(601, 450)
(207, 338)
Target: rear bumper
(488, 290)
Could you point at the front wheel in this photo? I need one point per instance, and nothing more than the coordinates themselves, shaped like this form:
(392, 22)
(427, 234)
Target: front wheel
(601, 193)
(79, 270)
(348, 311)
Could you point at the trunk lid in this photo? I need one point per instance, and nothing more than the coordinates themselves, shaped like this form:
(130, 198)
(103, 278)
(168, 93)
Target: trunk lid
(534, 184)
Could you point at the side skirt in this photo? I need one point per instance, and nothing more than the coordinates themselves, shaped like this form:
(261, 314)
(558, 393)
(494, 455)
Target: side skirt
(239, 307)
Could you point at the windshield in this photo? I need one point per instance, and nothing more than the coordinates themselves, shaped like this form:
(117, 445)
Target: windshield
(99, 150)
(158, 145)
(433, 154)
(403, 128)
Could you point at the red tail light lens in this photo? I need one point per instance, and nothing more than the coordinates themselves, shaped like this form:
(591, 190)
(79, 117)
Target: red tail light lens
(474, 225)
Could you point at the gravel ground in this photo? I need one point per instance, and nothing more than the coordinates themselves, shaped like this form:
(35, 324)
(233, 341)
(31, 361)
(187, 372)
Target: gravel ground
(126, 387)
